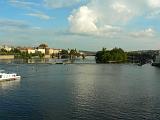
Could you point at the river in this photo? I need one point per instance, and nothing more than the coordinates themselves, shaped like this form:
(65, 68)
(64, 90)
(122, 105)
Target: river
(81, 92)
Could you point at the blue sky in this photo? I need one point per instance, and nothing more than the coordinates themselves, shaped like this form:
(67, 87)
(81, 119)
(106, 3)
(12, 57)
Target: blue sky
(81, 24)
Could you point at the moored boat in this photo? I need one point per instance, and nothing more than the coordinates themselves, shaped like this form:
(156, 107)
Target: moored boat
(8, 76)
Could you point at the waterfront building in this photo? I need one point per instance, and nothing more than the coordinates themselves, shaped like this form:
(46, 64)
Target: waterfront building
(42, 50)
(23, 49)
(49, 51)
(57, 51)
(31, 50)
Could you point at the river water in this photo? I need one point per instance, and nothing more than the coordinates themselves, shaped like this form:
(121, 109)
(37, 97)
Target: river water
(81, 92)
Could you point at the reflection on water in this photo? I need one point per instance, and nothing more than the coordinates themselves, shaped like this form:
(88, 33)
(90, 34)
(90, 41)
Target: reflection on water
(84, 85)
(37, 60)
(6, 61)
(9, 84)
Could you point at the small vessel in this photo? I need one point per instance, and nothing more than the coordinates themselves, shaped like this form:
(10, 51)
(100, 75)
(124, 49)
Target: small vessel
(59, 61)
(8, 76)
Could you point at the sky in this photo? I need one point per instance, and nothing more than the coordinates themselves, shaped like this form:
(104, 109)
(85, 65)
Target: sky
(81, 24)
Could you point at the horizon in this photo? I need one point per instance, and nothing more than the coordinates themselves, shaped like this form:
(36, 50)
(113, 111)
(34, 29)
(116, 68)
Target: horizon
(87, 50)
(82, 24)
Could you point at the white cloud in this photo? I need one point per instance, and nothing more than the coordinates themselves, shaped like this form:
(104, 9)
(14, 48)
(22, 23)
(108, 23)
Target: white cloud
(109, 30)
(114, 12)
(154, 9)
(121, 12)
(83, 20)
(154, 3)
(147, 33)
(22, 4)
(120, 8)
(39, 15)
(111, 17)
(153, 14)
(8, 23)
(60, 3)
(93, 17)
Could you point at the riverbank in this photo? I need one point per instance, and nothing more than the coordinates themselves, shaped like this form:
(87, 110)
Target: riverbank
(6, 57)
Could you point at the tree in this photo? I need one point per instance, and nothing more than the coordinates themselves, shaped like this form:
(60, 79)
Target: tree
(43, 46)
(3, 51)
(25, 55)
(73, 53)
(115, 55)
(64, 54)
(15, 51)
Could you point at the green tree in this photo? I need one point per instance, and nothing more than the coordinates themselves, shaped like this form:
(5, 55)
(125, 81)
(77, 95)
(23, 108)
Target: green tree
(3, 51)
(115, 55)
(72, 53)
(64, 54)
(43, 46)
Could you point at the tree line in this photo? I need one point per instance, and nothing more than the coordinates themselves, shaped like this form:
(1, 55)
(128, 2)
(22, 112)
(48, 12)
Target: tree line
(70, 53)
(64, 54)
(116, 55)
(22, 55)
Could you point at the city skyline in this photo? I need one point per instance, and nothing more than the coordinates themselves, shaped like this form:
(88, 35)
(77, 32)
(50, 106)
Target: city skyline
(81, 24)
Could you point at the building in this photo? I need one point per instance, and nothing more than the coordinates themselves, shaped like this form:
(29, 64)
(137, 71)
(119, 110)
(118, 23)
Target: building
(42, 50)
(56, 51)
(31, 50)
(23, 49)
(49, 51)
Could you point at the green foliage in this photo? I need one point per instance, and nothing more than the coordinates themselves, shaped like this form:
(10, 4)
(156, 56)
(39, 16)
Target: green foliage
(23, 55)
(41, 55)
(64, 54)
(73, 54)
(115, 55)
(43, 46)
(15, 51)
(3, 51)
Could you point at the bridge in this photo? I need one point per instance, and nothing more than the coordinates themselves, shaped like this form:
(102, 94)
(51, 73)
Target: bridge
(88, 53)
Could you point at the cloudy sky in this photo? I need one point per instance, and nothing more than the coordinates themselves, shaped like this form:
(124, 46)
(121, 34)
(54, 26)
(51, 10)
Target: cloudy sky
(81, 24)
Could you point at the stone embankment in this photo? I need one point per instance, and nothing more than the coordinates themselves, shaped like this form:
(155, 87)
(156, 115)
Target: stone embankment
(3, 57)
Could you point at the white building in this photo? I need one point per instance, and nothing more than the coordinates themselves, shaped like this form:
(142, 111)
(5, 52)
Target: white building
(49, 51)
(31, 50)
(43, 51)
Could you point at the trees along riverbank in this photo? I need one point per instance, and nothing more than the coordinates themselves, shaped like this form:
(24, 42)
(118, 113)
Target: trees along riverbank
(116, 55)
(71, 54)
(21, 55)
(64, 54)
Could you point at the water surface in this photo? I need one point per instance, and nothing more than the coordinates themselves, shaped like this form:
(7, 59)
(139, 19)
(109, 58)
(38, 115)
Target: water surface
(81, 92)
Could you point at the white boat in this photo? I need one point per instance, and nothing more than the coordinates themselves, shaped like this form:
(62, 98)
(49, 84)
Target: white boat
(8, 76)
